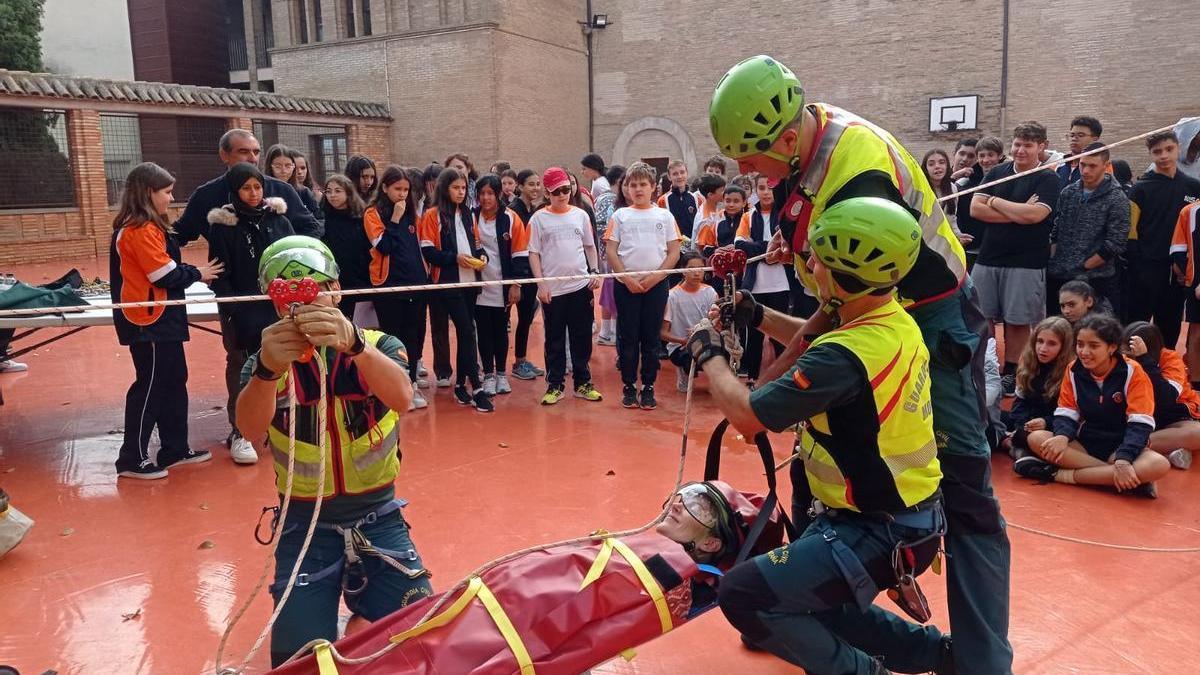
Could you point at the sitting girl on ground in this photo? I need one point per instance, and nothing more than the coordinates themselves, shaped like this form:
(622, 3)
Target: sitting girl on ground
(687, 305)
(1077, 299)
(1176, 405)
(1102, 426)
(1040, 375)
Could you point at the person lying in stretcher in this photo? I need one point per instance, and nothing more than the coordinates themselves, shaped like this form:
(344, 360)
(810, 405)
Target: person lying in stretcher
(568, 608)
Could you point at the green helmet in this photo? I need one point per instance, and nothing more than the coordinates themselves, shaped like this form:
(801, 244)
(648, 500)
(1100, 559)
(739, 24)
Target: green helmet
(874, 240)
(752, 105)
(295, 257)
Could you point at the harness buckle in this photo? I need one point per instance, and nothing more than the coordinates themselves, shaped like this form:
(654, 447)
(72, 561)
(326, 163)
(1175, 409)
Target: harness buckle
(302, 579)
(370, 518)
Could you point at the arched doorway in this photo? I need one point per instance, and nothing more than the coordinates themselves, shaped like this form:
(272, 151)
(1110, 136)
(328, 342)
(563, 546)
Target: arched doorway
(653, 138)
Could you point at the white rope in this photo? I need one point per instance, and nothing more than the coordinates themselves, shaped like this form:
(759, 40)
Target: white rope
(281, 523)
(1101, 544)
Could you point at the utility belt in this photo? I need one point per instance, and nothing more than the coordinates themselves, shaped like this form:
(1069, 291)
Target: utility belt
(927, 516)
(357, 547)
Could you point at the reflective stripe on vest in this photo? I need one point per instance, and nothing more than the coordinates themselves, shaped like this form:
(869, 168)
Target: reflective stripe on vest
(888, 344)
(857, 153)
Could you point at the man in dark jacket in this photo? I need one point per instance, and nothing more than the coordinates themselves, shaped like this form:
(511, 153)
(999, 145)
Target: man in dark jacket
(1157, 199)
(1091, 226)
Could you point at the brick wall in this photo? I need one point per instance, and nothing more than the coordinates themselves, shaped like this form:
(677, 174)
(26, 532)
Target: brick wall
(372, 140)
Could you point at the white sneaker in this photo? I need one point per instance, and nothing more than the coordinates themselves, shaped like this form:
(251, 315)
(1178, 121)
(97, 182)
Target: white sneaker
(502, 385)
(489, 384)
(418, 401)
(242, 451)
(681, 381)
(1180, 458)
(605, 340)
(12, 367)
(421, 370)
(443, 382)
(422, 383)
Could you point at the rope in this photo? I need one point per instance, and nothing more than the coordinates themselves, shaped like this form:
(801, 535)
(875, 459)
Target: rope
(287, 498)
(482, 569)
(1101, 544)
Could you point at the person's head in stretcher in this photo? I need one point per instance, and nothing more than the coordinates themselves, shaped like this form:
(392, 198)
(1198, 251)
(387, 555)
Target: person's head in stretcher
(702, 521)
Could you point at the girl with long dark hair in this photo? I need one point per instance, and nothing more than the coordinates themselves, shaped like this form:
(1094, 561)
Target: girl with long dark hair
(936, 165)
(505, 240)
(361, 171)
(145, 264)
(528, 202)
(344, 235)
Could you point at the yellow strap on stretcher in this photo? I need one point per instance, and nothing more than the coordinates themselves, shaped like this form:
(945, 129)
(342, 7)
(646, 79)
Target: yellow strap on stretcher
(639, 568)
(476, 588)
(325, 663)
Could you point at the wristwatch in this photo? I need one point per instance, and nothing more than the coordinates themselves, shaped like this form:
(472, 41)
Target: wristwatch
(264, 373)
(359, 345)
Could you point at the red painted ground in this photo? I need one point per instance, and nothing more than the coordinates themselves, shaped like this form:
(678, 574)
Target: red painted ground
(104, 548)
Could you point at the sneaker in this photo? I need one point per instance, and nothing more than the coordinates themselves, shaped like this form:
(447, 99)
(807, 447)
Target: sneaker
(502, 385)
(525, 371)
(1180, 458)
(1018, 453)
(443, 382)
(604, 340)
(242, 451)
(587, 392)
(1147, 490)
(647, 401)
(191, 457)
(1009, 384)
(483, 402)
(538, 371)
(1035, 468)
(418, 401)
(462, 395)
(422, 371)
(629, 396)
(663, 354)
(422, 383)
(553, 395)
(10, 366)
(489, 384)
(147, 470)
(681, 381)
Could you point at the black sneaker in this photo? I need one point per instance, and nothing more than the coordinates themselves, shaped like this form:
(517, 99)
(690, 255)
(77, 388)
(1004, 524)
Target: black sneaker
(147, 470)
(189, 457)
(483, 402)
(462, 395)
(1036, 468)
(629, 396)
(1009, 384)
(647, 401)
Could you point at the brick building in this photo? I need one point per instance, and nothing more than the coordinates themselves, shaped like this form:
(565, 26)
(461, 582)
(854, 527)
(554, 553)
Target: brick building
(67, 143)
(508, 78)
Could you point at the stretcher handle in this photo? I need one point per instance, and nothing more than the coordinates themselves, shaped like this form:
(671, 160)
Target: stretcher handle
(712, 471)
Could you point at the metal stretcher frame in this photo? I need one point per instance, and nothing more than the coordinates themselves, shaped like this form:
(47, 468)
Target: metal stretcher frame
(88, 318)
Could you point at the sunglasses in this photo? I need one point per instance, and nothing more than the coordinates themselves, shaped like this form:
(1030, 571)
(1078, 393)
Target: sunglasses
(565, 190)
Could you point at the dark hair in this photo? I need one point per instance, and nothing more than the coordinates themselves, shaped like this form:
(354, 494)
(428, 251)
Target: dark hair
(969, 142)
(618, 189)
(275, 152)
(445, 205)
(710, 183)
(1150, 334)
(354, 203)
(431, 172)
(308, 181)
(1161, 137)
(735, 189)
(990, 143)
(594, 162)
(354, 169)
(135, 206)
(462, 157)
(1079, 287)
(689, 254)
(1103, 154)
(1091, 123)
(715, 160)
(237, 175)
(383, 204)
(490, 180)
(417, 180)
(614, 173)
(500, 167)
(1031, 131)
(1122, 172)
(525, 175)
(943, 187)
(1104, 326)
(508, 173)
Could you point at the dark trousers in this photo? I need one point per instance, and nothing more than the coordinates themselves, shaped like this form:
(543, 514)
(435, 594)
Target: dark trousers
(234, 360)
(157, 397)
(1107, 288)
(639, 323)
(752, 359)
(491, 323)
(569, 316)
(439, 328)
(402, 315)
(1154, 296)
(526, 310)
(460, 309)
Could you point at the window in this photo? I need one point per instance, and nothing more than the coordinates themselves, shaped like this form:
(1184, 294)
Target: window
(35, 160)
(318, 20)
(333, 153)
(350, 19)
(302, 21)
(122, 151)
(366, 19)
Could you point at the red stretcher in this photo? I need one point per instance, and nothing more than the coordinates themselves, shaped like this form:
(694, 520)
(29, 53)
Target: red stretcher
(561, 610)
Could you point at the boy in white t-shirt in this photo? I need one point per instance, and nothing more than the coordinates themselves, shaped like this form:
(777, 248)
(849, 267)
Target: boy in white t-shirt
(641, 238)
(562, 243)
(767, 281)
(687, 305)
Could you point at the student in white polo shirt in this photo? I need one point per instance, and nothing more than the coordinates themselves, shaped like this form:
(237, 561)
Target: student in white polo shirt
(641, 238)
(562, 243)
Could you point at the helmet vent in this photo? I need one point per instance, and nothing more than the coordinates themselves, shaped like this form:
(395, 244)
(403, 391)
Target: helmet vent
(776, 104)
(848, 263)
(875, 253)
(761, 119)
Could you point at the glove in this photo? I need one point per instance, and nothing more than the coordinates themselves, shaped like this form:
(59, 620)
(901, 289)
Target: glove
(705, 343)
(745, 311)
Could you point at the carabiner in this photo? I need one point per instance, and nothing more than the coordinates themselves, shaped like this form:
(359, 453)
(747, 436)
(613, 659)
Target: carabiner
(274, 525)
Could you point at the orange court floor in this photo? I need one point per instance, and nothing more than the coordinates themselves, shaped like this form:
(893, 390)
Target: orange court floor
(124, 576)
